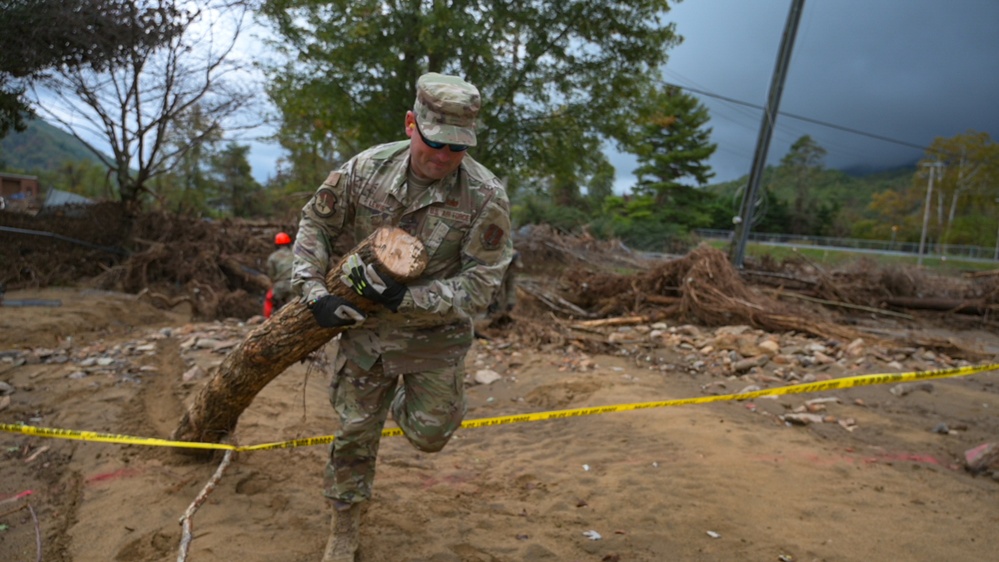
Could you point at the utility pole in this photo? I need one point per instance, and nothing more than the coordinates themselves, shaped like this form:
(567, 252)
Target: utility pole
(933, 166)
(744, 221)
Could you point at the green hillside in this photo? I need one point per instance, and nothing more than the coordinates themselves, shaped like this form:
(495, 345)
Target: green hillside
(832, 185)
(41, 148)
(846, 197)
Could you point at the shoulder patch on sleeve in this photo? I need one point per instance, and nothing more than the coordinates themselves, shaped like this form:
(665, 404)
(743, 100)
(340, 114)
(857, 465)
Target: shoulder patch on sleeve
(324, 203)
(492, 237)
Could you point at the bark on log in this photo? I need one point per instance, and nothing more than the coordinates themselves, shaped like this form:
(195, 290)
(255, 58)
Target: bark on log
(288, 336)
(940, 303)
(244, 277)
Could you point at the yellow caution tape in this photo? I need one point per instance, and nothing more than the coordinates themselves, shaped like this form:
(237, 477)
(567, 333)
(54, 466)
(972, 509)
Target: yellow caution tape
(833, 384)
(803, 388)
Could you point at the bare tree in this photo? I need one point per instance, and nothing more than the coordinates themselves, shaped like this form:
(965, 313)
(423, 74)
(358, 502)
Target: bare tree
(132, 105)
(39, 36)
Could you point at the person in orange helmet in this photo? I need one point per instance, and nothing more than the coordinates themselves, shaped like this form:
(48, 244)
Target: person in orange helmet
(279, 270)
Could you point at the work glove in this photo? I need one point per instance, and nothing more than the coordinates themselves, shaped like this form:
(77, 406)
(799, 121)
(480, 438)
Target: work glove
(331, 311)
(366, 280)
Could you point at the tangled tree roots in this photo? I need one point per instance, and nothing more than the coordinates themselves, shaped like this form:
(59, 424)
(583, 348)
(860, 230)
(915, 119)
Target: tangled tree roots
(214, 266)
(700, 288)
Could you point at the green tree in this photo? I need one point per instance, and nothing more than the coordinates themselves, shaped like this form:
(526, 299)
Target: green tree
(557, 76)
(896, 215)
(193, 136)
(308, 142)
(773, 214)
(537, 207)
(640, 223)
(239, 193)
(672, 145)
(601, 184)
(83, 177)
(966, 183)
(802, 166)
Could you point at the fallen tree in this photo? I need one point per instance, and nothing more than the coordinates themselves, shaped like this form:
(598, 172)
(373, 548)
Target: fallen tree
(287, 337)
(943, 304)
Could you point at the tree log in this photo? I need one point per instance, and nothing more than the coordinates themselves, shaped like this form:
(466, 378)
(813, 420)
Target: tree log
(288, 336)
(244, 276)
(941, 303)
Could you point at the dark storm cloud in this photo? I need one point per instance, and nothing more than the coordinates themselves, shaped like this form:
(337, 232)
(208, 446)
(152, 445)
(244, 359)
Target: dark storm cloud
(909, 71)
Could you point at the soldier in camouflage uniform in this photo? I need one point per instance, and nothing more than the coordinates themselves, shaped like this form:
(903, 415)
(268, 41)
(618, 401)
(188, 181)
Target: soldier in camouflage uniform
(279, 265)
(432, 189)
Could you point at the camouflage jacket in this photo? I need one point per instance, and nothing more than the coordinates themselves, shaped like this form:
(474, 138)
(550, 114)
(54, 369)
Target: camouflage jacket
(463, 221)
(279, 265)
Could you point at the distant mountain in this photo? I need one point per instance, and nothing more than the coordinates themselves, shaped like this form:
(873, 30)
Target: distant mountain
(874, 179)
(867, 170)
(41, 147)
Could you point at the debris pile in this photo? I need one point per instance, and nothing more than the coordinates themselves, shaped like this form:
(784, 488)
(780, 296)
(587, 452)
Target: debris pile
(215, 267)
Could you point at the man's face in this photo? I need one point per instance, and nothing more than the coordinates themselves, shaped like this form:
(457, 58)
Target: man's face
(426, 162)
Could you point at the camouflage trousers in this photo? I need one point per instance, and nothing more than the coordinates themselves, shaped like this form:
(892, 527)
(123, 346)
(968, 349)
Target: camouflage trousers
(428, 406)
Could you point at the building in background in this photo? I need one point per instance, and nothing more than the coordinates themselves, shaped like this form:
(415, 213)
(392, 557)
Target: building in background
(18, 192)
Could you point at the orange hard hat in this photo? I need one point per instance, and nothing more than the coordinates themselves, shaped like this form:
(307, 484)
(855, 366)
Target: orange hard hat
(282, 238)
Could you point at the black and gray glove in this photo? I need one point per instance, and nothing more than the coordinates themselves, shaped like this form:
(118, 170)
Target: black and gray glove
(331, 311)
(366, 280)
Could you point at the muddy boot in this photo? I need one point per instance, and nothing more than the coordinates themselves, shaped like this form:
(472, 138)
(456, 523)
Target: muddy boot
(345, 529)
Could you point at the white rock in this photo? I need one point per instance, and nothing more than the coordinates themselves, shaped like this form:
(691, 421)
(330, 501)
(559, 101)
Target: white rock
(855, 348)
(207, 343)
(770, 347)
(193, 373)
(734, 330)
(486, 376)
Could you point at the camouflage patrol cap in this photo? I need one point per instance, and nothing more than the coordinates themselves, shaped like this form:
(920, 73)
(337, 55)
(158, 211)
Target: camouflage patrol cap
(446, 108)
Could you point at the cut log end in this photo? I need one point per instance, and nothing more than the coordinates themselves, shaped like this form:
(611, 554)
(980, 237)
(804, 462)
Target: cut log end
(402, 254)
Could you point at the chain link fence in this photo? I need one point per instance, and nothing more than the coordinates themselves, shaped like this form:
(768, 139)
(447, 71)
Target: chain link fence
(963, 251)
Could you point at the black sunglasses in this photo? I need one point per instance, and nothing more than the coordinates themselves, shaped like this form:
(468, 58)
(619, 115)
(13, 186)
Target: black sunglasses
(439, 145)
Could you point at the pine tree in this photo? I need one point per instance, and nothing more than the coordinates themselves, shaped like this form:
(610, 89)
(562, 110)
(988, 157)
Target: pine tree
(672, 146)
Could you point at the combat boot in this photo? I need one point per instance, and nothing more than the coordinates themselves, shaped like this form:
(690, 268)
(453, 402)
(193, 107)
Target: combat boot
(345, 530)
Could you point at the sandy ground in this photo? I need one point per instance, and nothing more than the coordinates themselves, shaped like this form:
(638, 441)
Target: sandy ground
(718, 482)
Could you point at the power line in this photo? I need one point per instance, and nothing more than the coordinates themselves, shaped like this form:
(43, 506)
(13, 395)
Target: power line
(802, 118)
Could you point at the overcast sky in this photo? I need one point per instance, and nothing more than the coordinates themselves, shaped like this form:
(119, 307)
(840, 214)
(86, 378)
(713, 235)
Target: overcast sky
(904, 70)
